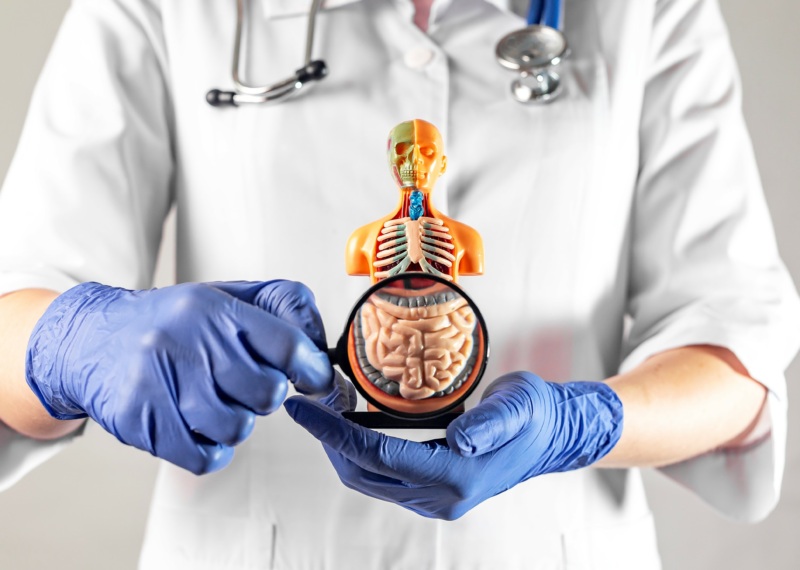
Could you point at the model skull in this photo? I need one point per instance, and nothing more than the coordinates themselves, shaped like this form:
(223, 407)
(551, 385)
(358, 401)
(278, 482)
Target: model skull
(416, 157)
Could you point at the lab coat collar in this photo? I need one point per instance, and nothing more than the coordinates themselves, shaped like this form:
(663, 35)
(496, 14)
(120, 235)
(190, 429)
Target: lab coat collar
(278, 8)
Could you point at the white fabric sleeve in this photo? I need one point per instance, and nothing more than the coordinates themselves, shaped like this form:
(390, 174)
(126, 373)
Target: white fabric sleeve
(90, 184)
(704, 263)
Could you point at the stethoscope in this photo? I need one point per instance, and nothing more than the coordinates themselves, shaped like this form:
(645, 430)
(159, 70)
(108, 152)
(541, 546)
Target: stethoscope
(312, 70)
(534, 51)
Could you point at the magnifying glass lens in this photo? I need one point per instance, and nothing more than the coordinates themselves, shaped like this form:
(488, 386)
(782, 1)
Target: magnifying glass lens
(415, 347)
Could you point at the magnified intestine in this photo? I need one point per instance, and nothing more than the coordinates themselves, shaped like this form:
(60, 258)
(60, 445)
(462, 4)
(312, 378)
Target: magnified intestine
(416, 346)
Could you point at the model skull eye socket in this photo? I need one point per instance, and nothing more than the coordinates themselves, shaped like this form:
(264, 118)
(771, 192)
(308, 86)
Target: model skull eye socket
(415, 346)
(401, 149)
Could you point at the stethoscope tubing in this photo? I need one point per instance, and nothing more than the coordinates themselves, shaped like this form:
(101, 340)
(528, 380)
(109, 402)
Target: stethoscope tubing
(246, 93)
(547, 13)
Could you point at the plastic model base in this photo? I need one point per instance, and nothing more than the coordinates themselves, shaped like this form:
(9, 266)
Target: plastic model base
(380, 420)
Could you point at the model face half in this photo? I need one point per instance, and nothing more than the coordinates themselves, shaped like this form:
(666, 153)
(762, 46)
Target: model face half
(416, 155)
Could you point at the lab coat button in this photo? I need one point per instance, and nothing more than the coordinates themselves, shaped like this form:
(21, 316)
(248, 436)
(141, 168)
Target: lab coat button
(418, 57)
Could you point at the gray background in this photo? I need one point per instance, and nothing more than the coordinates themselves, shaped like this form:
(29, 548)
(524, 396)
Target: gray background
(87, 507)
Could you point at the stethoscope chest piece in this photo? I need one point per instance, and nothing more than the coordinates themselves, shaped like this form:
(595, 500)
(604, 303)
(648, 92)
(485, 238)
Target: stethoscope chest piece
(533, 52)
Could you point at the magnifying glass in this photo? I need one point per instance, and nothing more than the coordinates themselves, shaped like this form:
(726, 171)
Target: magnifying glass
(415, 346)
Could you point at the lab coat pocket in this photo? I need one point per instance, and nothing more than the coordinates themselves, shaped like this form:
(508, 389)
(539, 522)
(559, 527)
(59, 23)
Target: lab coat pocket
(627, 546)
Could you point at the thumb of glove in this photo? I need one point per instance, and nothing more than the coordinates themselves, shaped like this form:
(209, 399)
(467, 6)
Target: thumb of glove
(507, 408)
(342, 398)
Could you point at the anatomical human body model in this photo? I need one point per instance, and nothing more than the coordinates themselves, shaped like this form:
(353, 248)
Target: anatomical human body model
(416, 236)
(415, 345)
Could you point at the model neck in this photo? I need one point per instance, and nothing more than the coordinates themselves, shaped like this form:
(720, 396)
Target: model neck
(414, 203)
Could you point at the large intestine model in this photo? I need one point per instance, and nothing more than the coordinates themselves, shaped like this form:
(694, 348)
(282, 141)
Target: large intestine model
(417, 347)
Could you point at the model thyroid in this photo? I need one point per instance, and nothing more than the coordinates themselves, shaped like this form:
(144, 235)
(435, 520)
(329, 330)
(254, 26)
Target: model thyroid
(416, 346)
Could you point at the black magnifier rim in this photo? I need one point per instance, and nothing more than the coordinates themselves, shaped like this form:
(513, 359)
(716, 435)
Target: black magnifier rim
(342, 360)
(513, 63)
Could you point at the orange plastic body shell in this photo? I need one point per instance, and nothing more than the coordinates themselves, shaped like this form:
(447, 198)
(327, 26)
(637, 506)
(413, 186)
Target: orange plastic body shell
(422, 148)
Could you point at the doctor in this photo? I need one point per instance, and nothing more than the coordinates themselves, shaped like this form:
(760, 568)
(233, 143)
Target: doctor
(633, 198)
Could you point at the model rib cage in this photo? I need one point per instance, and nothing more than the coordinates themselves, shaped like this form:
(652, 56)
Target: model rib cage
(423, 242)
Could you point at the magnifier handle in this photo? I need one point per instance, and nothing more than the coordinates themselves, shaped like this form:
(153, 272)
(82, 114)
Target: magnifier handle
(332, 356)
(339, 357)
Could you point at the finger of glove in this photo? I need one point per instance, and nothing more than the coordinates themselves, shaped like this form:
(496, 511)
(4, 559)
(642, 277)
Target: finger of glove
(158, 427)
(343, 397)
(288, 300)
(377, 486)
(505, 411)
(225, 423)
(271, 340)
(246, 291)
(431, 501)
(204, 458)
(172, 386)
(295, 303)
(259, 388)
(246, 380)
(196, 457)
(408, 461)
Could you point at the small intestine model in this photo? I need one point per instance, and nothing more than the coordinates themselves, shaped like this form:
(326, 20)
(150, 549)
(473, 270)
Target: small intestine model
(418, 342)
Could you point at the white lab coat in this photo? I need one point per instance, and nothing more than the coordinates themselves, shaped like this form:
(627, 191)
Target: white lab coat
(634, 194)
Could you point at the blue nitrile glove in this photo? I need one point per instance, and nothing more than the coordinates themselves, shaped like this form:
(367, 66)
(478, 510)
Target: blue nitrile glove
(180, 371)
(524, 427)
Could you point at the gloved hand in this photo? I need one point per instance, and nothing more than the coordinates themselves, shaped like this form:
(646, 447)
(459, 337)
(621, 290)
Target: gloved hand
(524, 427)
(180, 371)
